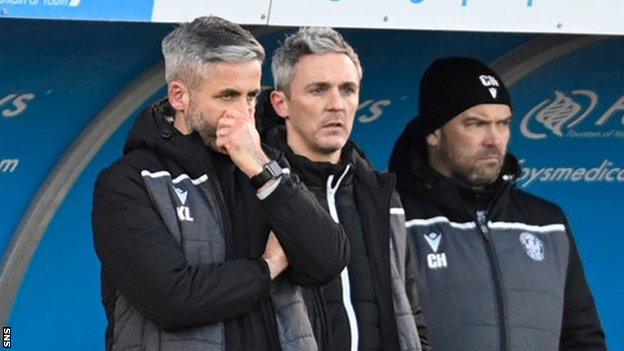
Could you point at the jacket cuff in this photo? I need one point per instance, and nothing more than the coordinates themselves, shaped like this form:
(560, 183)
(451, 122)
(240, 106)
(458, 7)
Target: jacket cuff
(280, 194)
(263, 266)
(268, 188)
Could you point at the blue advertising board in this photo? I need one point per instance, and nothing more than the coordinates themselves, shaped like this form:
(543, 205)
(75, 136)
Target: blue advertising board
(569, 135)
(110, 10)
(567, 130)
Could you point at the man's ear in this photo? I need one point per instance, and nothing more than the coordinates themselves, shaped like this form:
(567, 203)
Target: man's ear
(433, 139)
(280, 103)
(178, 95)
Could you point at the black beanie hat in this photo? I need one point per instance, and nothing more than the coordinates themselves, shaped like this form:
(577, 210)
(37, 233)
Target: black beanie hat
(452, 85)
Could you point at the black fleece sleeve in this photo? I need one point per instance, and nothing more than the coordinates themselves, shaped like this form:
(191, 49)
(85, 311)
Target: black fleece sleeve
(581, 328)
(146, 265)
(316, 246)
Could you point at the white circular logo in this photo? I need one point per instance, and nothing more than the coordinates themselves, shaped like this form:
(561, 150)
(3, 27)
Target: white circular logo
(533, 246)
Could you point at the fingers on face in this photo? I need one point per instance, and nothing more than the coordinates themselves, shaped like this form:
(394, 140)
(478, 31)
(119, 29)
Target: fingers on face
(220, 144)
(237, 115)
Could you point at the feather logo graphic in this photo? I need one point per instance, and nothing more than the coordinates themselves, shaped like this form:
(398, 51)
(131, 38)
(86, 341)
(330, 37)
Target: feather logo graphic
(559, 114)
(556, 115)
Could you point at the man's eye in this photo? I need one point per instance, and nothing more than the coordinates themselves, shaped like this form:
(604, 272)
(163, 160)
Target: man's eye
(227, 97)
(348, 90)
(252, 96)
(317, 90)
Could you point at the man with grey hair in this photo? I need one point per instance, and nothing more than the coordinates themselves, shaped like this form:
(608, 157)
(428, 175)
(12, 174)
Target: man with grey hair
(196, 219)
(373, 305)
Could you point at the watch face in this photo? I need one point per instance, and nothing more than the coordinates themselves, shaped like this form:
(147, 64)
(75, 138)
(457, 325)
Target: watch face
(274, 168)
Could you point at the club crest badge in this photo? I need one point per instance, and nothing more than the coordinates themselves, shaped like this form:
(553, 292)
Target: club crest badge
(533, 246)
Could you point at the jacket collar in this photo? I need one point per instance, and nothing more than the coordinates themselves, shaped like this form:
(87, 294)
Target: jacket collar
(154, 130)
(418, 180)
(311, 173)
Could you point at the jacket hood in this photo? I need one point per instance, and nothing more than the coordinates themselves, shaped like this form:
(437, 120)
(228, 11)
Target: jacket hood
(152, 127)
(154, 130)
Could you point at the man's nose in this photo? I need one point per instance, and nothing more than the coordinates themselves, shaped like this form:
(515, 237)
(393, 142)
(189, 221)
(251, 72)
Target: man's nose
(246, 105)
(335, 100)
(494, 136)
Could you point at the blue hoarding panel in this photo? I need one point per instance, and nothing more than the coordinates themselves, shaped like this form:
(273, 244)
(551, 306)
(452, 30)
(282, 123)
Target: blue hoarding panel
(135, 10)
(569, 133)
(56, 77)
(62, 289)
(567, 130)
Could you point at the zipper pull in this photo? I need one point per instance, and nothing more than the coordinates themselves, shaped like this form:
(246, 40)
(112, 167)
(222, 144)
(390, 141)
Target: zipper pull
(485, 230)
(482, 223)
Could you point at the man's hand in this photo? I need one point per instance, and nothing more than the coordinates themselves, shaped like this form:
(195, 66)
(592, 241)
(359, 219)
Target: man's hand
(237, 137)
(274, 256)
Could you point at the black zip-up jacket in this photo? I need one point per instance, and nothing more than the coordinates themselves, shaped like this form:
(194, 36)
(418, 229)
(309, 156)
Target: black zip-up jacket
(363, 200)
(147, 268)
(498, 270)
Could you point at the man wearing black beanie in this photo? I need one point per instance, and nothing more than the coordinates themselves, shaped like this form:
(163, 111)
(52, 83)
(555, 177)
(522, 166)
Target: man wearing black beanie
(498, 267)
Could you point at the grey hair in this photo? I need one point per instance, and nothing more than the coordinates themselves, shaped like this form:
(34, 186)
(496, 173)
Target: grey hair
(308, 41)
(195, 45)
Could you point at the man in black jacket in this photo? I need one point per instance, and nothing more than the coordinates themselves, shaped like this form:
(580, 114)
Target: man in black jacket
(196, 219)
(498, 268)
(373, 305)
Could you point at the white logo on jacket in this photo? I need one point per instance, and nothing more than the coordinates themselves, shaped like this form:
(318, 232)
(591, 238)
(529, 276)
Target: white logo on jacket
(533, 246)
(184, 212)
(433, 239)
(181, 195)
(435, 260)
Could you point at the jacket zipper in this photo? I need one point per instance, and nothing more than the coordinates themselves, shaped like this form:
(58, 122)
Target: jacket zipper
(344, 275)
(481, 222)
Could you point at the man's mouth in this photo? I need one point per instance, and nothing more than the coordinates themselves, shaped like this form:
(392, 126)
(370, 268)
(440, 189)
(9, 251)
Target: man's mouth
(333, 125)
(490, 157)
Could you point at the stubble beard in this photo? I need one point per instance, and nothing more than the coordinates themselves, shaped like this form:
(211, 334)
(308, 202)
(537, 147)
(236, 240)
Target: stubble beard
(198, 123)
(468, 170)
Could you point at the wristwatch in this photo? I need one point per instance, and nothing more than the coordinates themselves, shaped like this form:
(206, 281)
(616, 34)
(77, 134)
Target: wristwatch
(271, 170)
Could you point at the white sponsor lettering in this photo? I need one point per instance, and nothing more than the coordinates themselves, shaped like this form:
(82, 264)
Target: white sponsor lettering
(13, 2)
(13, 105)
(56, 2)
(375, 110)
(563, 115)
(8, 165)
(35, 3)
(607, 172)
